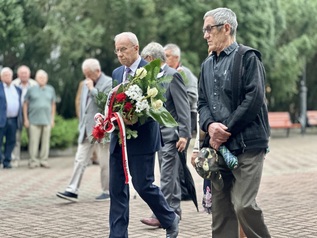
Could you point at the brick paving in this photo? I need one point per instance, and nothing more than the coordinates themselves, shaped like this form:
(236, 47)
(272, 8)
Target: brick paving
(30, 208)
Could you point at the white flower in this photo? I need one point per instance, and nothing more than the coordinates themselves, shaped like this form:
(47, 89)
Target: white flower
(152, 92)
(142, 105)
(157, 104)
(141, 73)
(134, 92)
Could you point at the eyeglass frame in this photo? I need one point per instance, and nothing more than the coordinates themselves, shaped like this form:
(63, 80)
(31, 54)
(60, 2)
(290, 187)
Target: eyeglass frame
(210, 28)
(122, 50)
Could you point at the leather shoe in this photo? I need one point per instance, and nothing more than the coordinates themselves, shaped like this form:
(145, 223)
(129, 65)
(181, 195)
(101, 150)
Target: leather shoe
(151, 221)
(172, 231)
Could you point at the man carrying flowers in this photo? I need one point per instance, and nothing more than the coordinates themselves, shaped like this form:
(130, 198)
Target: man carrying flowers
(140, 148)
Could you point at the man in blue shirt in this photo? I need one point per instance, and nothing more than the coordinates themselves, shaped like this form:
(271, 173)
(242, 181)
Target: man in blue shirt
(10, 116)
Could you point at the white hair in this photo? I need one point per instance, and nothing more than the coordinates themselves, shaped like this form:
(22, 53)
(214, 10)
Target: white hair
(5, 70)
(91, 64)
(131, 36)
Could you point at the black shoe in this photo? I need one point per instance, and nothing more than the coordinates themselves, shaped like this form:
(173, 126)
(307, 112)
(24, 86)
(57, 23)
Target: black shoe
(172, 231)
(68, 196)
(8, 166)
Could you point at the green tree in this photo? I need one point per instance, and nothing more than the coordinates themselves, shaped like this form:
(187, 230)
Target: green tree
(58, 35)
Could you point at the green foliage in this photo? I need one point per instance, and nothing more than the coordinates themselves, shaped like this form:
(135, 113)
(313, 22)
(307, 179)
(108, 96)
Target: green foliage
(58, 35)
(11, 24)
(63, 135)
(101, 100)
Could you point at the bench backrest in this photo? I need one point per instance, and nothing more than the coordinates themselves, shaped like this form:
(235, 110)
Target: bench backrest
(312, 118)
(280, 120)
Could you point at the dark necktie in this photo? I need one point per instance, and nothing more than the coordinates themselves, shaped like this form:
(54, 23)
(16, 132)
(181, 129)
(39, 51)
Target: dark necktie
(127, 72)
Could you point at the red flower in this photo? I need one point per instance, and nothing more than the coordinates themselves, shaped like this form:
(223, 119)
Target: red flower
(121, 97)
(128, 106)
(98, 132)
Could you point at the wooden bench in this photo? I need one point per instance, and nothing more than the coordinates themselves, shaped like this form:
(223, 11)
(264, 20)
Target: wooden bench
(311, 118)
(282, 120)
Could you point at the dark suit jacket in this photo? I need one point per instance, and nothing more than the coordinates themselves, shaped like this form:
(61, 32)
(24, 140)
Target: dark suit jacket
(3, 107)
(149, 136)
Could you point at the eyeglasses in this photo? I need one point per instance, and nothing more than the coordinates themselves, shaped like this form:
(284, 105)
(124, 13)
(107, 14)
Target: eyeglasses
(122, 50)
(209, 28)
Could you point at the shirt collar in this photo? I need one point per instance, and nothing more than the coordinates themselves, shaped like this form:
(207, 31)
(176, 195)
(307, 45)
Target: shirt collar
(135, 65)
(229, 49)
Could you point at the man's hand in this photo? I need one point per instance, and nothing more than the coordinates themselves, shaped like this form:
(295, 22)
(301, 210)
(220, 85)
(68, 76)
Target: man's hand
(89, 83)
(218, 134)
(181, 144)
(194, 156)
(26, 123)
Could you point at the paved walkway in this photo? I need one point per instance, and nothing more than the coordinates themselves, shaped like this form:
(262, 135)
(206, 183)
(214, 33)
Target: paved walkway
(29, 207)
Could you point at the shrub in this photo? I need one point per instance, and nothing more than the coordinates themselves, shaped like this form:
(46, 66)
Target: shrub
(63, 135)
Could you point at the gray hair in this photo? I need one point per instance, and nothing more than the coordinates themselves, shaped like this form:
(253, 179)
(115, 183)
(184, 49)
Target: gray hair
(24, 67)
(222, 16)
(155, 50)
(5, 70)
(176, 51)
(91, 64)
(131, 36)
(41, 72)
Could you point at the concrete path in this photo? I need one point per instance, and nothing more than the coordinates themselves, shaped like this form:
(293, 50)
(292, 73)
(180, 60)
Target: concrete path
(30, 208)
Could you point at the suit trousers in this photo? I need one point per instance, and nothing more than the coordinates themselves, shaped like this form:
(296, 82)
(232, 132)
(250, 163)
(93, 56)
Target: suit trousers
(141, 169)
(8, 131)
(236, 202)
(82, 159)
(169, 162)
(39, 135)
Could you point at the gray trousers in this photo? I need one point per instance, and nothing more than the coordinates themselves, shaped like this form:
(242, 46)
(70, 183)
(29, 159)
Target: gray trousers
(236, 202)
(82, 159)
(170, 182)
(16, 153)
(39, 135)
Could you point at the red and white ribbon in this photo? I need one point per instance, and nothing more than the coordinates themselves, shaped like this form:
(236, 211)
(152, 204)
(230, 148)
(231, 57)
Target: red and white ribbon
(109, 126)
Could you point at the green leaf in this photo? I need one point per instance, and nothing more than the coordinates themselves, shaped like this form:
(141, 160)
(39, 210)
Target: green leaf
(163, 117)
(101, 100)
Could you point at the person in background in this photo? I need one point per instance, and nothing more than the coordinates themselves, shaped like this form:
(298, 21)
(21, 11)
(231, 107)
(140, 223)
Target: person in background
(173, 60)
(96, 81)
(38, 113)
(10, 115)
(141, 156)
(24, 82)
(241, 125)
(174, 138)
(94, 158)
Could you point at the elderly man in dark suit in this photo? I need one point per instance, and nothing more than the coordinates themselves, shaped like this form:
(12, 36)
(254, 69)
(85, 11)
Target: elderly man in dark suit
(95, 81)
(141, 156)
(10, 116)
(174, 138)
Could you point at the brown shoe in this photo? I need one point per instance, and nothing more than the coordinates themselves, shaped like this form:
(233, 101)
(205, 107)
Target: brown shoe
(151, 221)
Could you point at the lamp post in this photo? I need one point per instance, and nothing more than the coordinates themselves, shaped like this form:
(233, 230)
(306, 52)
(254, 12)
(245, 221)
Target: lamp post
(303, 100)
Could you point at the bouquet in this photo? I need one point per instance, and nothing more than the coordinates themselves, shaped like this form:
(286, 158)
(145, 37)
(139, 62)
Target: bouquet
(134, 102)
(130, 103)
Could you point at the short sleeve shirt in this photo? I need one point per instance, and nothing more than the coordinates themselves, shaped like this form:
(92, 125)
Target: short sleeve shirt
(40, 101)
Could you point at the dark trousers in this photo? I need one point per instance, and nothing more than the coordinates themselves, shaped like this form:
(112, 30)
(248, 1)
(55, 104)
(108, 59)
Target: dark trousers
(141, 169)
(236, 202)
(8, 131)
(193, 122)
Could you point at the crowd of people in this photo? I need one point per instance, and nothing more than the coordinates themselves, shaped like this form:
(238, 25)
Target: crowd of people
(239, 122)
